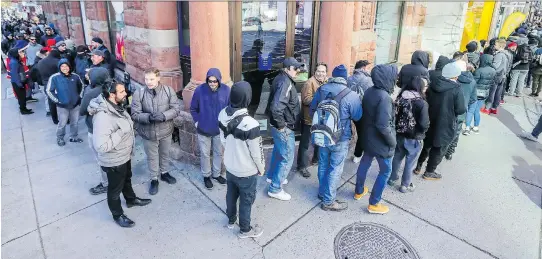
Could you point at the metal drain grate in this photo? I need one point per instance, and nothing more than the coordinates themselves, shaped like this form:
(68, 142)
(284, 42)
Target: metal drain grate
(369, 241)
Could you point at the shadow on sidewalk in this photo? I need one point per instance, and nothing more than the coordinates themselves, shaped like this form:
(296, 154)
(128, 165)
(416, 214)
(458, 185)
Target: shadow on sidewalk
(508, 120)
(530, 177)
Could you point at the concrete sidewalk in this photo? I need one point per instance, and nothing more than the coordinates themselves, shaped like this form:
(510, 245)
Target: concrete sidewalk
(488, 204)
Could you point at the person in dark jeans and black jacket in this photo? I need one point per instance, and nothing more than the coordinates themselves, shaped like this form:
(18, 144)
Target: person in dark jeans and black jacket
(359, 82)
(418, 67)
(98, 78)
(409, 142)
(47, 67)
(243, 158)
(283, 110)
(114, 140)
(446, 102)
(18, 79)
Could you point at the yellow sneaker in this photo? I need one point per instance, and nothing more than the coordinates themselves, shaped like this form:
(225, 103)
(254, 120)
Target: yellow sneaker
(378, 209)
(359, 196)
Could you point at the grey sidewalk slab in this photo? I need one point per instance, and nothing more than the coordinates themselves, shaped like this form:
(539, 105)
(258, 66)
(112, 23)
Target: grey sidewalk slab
(18, 217)
(26, 247)
(179, 223)
(313, 235)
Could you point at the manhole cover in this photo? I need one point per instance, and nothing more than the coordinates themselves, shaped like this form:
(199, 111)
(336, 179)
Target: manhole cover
(369, 241)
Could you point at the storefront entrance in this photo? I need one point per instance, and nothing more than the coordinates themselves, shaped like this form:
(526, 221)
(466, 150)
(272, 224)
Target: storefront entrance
(263, 34)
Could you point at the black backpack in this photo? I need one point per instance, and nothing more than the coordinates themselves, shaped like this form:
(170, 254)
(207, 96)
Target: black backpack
(405, 123)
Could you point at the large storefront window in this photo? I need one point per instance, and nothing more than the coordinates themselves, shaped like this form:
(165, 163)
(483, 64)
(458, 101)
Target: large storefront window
(263, 44)
(388, 27)
(183, 12)
(303, 36)
(116, 30)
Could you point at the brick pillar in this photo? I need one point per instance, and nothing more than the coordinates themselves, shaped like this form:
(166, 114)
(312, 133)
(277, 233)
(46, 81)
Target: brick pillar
(96, 13)
(152, 40)
(411, 34)
(335, 50)
(75, 24)
(208, 21)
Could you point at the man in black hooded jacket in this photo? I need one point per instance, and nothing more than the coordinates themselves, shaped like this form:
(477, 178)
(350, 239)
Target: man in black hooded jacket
(98, 78)
(47, 67)
(417, 67)
(446, 102)
(441, 62)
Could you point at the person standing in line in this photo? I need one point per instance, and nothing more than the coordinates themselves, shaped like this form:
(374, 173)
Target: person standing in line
(98, 44)
(410, 107)
(485, 78)
(114, 138)
(208, 100)
(18, 78)
(31, 52)
(533, 136)
(468, 87)
(510, 52)
(82, 61)
(283, 110)
(537, 73)
(332, 155)
(98, 59)
(243, 158)
(437, 72)
(446, 102)
(153, 109)
(500, 64)
(307, 94)
(520, 69)
(378, 135)
(418, 67)
(359, 82)
(49, 35)
(473, 56)
(48, 67)
(98, 79)
(65, 89)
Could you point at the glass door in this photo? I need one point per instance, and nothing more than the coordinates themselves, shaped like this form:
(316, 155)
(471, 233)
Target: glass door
(263, 34)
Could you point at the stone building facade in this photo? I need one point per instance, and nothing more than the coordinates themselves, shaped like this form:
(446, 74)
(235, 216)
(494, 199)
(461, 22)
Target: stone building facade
(152, 34)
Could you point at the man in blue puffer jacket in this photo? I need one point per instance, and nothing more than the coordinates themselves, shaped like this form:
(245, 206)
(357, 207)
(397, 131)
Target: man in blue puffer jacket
(208, 100)
(64, 89)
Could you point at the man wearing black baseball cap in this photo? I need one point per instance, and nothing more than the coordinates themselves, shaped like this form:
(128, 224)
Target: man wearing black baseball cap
(283, 110)
(98, 44)
(98, 59)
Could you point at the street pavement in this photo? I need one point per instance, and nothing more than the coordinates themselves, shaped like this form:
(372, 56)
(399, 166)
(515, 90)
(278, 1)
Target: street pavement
(488, 204)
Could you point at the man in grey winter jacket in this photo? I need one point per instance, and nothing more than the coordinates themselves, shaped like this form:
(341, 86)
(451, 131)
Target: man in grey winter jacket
(113, 140)
(98, 77)
(500, 63)
(153, 109)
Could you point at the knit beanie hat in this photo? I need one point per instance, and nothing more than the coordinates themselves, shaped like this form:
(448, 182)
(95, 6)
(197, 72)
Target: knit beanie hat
(98, 40)
(451, 70)
(340, 71)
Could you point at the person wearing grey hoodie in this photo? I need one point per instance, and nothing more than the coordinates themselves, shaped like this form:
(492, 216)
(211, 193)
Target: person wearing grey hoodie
(113, 139)
(98, 79)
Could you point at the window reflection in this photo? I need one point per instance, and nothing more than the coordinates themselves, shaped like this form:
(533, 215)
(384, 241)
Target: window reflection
(303, 34)
(387, 26)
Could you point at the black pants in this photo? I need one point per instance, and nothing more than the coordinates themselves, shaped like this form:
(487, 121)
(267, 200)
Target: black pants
(303, 150)
(451, 148)
(20, 93)
(435, 155)
(244, 189)
(120, 180)
(52, 109)
(358, 151)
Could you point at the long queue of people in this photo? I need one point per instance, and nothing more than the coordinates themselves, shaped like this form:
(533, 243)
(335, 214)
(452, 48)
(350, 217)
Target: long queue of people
(423, 123)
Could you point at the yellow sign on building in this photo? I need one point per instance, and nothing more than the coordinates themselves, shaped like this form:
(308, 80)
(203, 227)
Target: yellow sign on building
(477, 22)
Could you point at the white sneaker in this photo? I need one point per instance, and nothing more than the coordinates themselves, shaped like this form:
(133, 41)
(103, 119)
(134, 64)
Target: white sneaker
(528, 136)
(475, 130)
(283, 182)
(282, 195)
(356, 159)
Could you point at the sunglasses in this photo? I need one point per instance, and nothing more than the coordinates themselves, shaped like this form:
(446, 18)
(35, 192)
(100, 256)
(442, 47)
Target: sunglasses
(62, 45)
(212, 81)
(32, 39)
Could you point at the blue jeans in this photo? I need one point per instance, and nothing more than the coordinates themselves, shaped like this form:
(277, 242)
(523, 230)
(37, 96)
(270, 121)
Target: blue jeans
(474, 111)
(385, 170)
(409, 148)
(538, 128)
(330, 168)
(282, 158)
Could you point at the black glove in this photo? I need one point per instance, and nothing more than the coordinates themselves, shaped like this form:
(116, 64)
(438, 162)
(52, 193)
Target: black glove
(158, 116)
